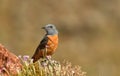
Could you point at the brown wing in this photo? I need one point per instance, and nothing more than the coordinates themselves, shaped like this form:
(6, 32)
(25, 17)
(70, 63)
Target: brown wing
(38, 53)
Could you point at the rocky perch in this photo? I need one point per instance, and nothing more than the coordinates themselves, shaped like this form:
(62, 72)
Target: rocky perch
(9, 63)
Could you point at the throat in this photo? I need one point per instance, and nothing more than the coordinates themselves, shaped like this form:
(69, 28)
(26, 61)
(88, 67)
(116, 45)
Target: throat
(50, 32)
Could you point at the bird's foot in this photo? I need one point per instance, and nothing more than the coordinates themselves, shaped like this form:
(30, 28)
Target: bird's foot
(48, 57)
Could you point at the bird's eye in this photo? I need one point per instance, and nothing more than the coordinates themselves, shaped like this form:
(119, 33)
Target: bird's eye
(50, 26)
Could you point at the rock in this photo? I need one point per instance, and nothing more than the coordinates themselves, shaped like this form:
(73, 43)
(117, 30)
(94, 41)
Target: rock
(9, 62)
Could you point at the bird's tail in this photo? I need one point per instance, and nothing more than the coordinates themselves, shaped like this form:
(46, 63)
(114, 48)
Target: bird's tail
(36, 56)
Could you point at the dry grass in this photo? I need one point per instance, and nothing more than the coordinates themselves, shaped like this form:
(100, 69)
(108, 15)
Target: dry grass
(49, 68)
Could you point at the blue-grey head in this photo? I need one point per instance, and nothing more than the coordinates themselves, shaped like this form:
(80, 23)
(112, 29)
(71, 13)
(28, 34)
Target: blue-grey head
(50, 29)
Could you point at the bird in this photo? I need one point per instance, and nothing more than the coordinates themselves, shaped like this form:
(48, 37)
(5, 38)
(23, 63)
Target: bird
(48, 44)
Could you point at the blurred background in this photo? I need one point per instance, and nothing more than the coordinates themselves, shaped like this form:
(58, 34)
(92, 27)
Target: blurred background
(89, 31)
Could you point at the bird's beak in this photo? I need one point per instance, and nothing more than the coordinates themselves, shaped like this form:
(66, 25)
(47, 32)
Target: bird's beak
(43, 28)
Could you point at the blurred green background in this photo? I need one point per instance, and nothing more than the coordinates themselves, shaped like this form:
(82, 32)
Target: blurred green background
(89, 31)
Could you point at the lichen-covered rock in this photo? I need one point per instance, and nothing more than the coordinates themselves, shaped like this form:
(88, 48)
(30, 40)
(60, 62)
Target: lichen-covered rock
(9, 63)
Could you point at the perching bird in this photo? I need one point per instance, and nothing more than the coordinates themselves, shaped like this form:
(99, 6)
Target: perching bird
(48, 44)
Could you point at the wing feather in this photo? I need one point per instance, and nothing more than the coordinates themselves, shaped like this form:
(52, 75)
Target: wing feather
(38, 53)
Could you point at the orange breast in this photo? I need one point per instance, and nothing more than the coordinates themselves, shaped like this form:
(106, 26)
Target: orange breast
(52, 44)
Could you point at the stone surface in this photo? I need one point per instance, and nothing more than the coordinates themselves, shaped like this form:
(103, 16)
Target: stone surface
(9, 62)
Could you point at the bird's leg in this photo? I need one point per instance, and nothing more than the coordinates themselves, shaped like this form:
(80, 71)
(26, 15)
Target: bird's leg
(48, 57)
(44, 53)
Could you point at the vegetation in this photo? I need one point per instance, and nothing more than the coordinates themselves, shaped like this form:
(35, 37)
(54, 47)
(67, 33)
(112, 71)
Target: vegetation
(49, 68)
